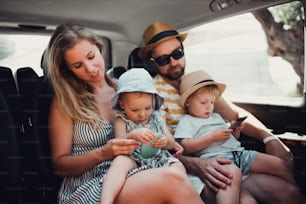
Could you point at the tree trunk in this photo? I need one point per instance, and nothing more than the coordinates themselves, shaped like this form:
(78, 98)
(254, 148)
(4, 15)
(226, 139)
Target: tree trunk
(288, 44)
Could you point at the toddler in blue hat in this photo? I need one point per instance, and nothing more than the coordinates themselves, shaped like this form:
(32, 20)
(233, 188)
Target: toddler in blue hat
(137, 104)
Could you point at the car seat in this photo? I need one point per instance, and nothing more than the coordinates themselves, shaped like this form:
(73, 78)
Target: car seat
(115, 72)
(134, 61)
(10, 94)
(10, 156)
(46, 183)
(27, 81)
(36, 95)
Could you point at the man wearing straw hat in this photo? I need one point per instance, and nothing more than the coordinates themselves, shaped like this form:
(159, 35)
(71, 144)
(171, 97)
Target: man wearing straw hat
(163, 49)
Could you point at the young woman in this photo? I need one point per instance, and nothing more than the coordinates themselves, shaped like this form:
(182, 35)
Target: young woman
(81, 127)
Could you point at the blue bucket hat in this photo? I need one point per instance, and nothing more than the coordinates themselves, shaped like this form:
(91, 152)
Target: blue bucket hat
(137, 80)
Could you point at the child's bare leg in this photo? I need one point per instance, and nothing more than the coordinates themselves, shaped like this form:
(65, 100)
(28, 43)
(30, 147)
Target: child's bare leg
(230, 195)
(268, 164)
(153, 186)
(246, 197)
(115, 178)
(178, 166)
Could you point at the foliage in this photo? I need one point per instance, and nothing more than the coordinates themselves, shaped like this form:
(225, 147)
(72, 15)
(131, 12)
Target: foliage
(289, 14)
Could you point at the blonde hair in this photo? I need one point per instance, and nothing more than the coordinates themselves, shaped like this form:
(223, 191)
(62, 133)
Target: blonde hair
(75, 96)
(208, 89)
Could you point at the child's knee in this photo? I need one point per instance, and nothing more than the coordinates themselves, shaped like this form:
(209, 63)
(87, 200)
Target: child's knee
(235, 171)
(179, 167)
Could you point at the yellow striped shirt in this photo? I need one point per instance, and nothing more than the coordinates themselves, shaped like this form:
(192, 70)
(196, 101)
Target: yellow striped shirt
(171, 110)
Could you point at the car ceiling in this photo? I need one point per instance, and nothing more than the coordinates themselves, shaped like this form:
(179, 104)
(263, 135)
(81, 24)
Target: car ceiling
(121, 20)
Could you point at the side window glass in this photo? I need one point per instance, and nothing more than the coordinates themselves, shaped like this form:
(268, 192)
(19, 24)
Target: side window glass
(259, 55)
(25, 50)
(22, 51)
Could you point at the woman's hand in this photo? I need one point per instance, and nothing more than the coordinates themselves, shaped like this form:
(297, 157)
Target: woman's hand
(119, 146)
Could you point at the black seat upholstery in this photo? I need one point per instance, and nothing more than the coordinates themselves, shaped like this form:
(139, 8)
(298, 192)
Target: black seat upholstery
(42, 185)
(134, 61)
(115, 72)
(10, 94)
(11, 150)
(48, 183)
(27, 81)
(7, 83)
(10, 156)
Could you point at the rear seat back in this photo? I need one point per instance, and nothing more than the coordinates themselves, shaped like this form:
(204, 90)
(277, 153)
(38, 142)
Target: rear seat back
(10, 144)
(115, 72)
(27, 81)
(36, 95)
(49, 182)
(134, 61)
(10, 94)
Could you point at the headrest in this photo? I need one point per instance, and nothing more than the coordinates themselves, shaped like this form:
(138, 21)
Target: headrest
(135, 61)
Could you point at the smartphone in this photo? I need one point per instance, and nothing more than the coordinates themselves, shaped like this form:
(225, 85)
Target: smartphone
(146, 149)
(237, 123)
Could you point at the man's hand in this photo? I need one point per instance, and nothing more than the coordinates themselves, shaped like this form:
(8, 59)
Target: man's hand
(210, 171)
(213, 174)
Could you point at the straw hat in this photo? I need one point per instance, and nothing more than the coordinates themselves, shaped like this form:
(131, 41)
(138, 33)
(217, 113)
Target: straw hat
(193, 81)
(155, 33)
(136, 80)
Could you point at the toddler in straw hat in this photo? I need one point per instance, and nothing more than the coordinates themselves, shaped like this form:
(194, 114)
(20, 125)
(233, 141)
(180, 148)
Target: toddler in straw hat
(137, 103)
(205, 134)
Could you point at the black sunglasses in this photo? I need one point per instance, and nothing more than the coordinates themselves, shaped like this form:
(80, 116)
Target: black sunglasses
(165, 59)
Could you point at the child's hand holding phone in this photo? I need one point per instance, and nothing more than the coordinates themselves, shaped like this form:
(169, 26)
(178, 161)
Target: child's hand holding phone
(237, 123)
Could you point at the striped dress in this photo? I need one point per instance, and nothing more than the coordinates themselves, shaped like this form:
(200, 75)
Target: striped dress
(86, 188)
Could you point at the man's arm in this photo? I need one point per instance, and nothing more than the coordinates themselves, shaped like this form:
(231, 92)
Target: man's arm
(210, 171)
(274, 146)
(255, 129)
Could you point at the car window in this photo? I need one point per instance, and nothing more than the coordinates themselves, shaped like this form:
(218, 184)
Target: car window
(235, 51)
(21, 50)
